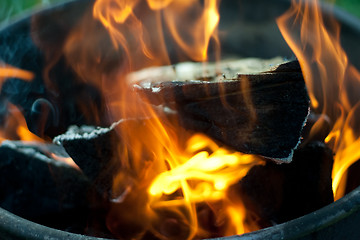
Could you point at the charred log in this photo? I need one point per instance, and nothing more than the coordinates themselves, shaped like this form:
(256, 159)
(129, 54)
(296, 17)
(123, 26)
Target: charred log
(41, 189)
(93, 151)
(253, 113)
(275, 194)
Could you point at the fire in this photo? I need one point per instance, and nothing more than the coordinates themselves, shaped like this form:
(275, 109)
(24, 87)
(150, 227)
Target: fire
(202, 30)
(121, 18)
(15, 126)
(203, 177)
(172, 177)
(174, 171)
(329, 77)
(218, 170)
(7, 71)
(68, 160)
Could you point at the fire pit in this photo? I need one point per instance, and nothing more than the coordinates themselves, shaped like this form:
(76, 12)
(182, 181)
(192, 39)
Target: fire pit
(53, 39)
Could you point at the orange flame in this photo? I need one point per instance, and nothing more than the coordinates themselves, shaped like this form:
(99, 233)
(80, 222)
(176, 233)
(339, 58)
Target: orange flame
(203, 177)
(172, 170)
(7, 71)
(68, 160)
(328, 76)
(15, 127)
(194, 41)
(111, 13)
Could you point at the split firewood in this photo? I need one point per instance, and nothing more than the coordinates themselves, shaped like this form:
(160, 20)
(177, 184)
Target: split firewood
(261, 113)
(38, 187)
(93, 149)
(273, 194)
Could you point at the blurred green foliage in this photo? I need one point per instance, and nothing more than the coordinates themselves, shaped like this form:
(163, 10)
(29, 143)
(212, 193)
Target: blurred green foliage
(10, 8)
(351, 6)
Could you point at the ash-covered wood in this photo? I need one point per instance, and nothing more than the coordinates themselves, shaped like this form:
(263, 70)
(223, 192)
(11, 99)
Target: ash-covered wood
(93, 148)
(41, 189)
(253, 113)
(274, 194)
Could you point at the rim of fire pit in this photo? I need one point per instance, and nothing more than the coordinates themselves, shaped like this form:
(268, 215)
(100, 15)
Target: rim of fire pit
(338, 220)
(335, 221)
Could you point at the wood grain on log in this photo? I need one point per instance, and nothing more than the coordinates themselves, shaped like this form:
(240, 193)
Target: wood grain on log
(260, 113)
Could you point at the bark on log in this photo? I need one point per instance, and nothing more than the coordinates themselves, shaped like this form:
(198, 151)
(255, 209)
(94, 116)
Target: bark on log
(253, 113)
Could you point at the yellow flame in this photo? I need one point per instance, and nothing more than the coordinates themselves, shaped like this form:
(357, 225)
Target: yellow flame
(175, 169)
(217, 171)
(203, 177)
(194, 40)
(328, 77)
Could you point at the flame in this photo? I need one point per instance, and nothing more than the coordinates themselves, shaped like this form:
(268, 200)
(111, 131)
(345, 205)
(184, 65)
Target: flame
(121, 19)
(7, 71)
(194, 40)
(329, 77)
(216, 170)
(173, 171)
(114, 12)
(203, 177)
(15, 127)
(172, 180)
(68, 160)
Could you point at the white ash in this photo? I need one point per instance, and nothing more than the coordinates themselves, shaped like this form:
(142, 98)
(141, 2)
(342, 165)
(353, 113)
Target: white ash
(202, 72)
(84, 132)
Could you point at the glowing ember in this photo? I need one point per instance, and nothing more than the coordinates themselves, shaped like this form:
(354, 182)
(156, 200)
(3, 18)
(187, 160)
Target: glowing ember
(68, 160)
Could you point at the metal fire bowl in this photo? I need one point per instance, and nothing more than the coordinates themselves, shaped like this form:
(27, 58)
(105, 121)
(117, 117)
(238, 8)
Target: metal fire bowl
(252, 32)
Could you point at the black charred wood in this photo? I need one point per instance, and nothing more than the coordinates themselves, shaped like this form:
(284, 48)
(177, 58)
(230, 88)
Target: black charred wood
(274, 194)
(353, 177)
(93, 151)
(256, 113)
(311, 133)
(41, 189)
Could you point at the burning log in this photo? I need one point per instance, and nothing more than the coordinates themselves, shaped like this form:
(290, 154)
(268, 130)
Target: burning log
(260, 113)
(42, 189)
(93, 151)
(278, 193)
